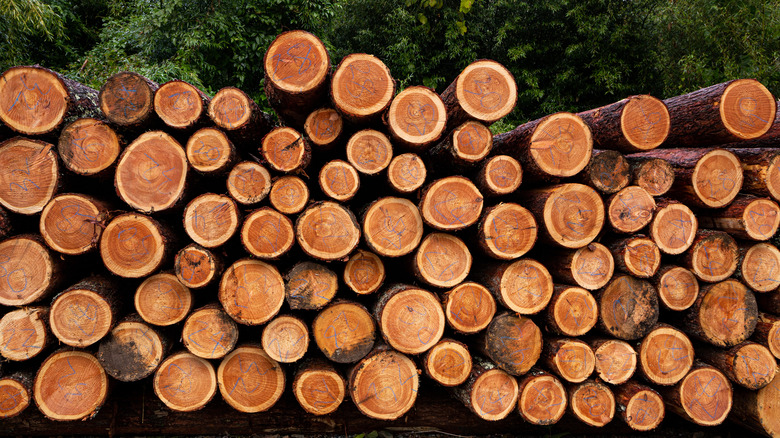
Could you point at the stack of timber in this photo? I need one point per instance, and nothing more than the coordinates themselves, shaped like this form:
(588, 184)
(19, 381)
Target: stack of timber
(367, 245)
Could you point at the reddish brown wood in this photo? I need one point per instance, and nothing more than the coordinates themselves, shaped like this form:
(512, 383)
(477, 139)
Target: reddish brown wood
(239, 116)
(392, 226)
(17, 391)
(162, 300)
(196, 267)
(761, 169)
(572, 311)
(512, 342)
(84, 313)
(759, 410)
(285, 150)
(485, 91)
(499, 175)
(24, 334)
(310, 286)
(410, 319)
(132, 351)
(640, 406)
(339, 180)
(724, 314)
(674, 226)
(181, 105)
(489, 392)
(248, 183)
(451, 203)
(361, 88)
(89, 147)
(637, 255)
(29, 175)
(542, 400)
(416, 118)
(757, 265)
(677, 287)
(747, 364)
(630, 209)
(636, 123)
(344, 332)
(712, 257)
(249, 380)
(767, 332)
(211, 219)
(369, 151)
(616, 360)
(747, 217)
(463, 148)
(364, 272)
(324, 128)
(210, 152)
(655, 175)
(703, 397)
(665, 355)
(406, 173)
(506, 231)
(289, 195)
(319, 387)
(327, 231)
(209, 332)
(571, 359)
(134, 245)
(469, 307)
(608, 171)
(31, 271)
(251, 291)
(70, 385)
(524, 286)
(448, 363)
(127, 100)
(72, 223)
(384, 384)
(590, 267)
(442, 260)
(267, 234)
(285, 339)
(592, 402)
(185, 382)
(628, 307)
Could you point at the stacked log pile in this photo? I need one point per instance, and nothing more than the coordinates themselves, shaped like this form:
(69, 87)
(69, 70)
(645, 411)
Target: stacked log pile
(369, 243)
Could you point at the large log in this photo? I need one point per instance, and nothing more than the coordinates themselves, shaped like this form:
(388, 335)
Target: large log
(384, 384)
(89, 147)
(572, 311)
(677, 287)
(636, 255)
(339, 180)
(463, 148)
(489, 392)
(72, 223)
(761, 169)
(448, 363)
(723, 315)
(469, 307)
(251, 291)
(442, 260)
(196, 267)
(759, 410)
(208, 332)
(636, 123)
(410, 319)
(84, 313)
(506, 231)
(542, 400)
(210, 219)
(712, 257)
(747, 217)
(640, 406)
(162, 300)
(285, 150)
(392, 226)
(319, 387)
(289, 194)
(30, 272)
(285, 339)
(571, 359)
(512, 342)
(665, 355)
(630, 209)
(310, 286)
(134, 245)
(327, 231)
(758, 265)
(344, 332)
(248, 183)
(239, 116)
(249, 380)
(674, 226)
(628, 307)
(524, 286)
(590, 267)
(324, 128)
(747, 364)
(616, 360)
(185, 382)
(267, 234)
(485, 91)
(369, 151)
(70, 385)
(451, 203)
(127, 100)
(499, 175)
(592, 402)
(361, 88)
(132, 351)
(703, 396)
(416, 118)
(210, 152)
(24, 334)
(29, 175)
(180, 105)
(406, 173)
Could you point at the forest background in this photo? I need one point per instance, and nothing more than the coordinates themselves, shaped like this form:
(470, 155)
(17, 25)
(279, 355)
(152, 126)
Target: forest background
(566, 55)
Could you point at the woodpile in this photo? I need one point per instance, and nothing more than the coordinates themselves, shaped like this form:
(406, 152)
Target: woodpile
(375, 243)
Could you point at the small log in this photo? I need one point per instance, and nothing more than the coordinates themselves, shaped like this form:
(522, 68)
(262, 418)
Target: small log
(655, 175)
(759, 410)
(506, 231)
(327, 231)
(630, 210)
(512, 342)
(592, 402)
(134, 245)
(89, 147)
(665, 355)
(761, 170)
(469, 307)
(17, 391)
(285, 150)
(127, 100)
(185, 382)
(608, 172)
(344, 332)
(24, 334)
(485, 91)
(196, 267)
(410, 319)
(736, 110)
(209, 332)
(181, 105)
(628, 308)
(251, 291)
(442, 260)
(384, 384)
(29, 175)
(364, 272)
(448, 363)
(406, 173)
(248, 183)
(703, 397)
(757, 266)
(634, 124)
(572, 311)
(70, 385)
(615, 360)
(542, 399)
(450, 204)
(571, 215)
(239, 116)
(712, 257)
(489, 392)
(747, 217)
(249, 380)
(72, 223)
(324, 127)
(285, 339)
(361, 88)
(369, 151)
(590, 267)
(640, 406)
(289, 195)
(162, 300)
(723, 315)
(674, 227)
(210, 152)
(152, 172)
(677, 287)
(747, 364)
(555, 146)
(392, 226)
(30, 270)
(339, 180)
(462, 149)
(636, 255)
(211, 219)
(571, 359)
(499, 175)
(132, 351)
(310, 286)
(319, 387)
(524, 286)
(296, 67)
(767, 332)
(267, 234)
(84, 313)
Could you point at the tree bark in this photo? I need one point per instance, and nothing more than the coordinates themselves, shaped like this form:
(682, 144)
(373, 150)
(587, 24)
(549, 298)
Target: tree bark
(634, 124)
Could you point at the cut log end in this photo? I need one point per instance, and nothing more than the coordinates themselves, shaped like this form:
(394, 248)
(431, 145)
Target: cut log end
(361, 87)
(369, 151)
(677, 287)
(406, 173)
(717, 178)
(72, 223)
(417, 117)
(185, 382)
(713, 256)
(162, 300)
(249, 380)
(319, 389)
(88, 146)
(33, 100)
(289, 195)
(70, 385)
(451, 203)
(133, 245)
(628, 308)
(514, 343)
(615, 361)
(500, 175)
(344, 332)
(486, 91)
(248, 183)
(608, 172)
(23, 335)
(630, 210)
(572, 359)
(747, 109)
(231, 109)
(323, 127)
(665, 355)
(592, 266)
(767, 332)
(542, 399)
(752, 366)
(758, 265)
(384, 385)
(469, 307)
(525, 287)
(645, 122)
(573, 311)
(327, 231)
(593, 403)
(209, 333)
(561, 145)
(30, 271)
(494, 395)
(411, 320)
(29, 175)
(673, 228)
(639, 257)
(267, 234)
(442, 260)
(131, 352)
(251, 291)
(392, 226)
(507, 231)
(364, 272)
(641, 407)
(339, 180)
(80, 317)
(285, 150)
(761, 219)
(211, 219)
(16, 390)
(573, 215)
(655, 175)
(310, 286)
(296, 62)
(471, 142)
(196, 267)
(448, 363)
(127, 99)
(705, 396)
(726, 313)
(210, 152)
(285, 339)
(179, 104)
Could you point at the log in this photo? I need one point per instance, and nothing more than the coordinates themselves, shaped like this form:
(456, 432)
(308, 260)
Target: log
(251, 291)
(319, 387)
(210, 152)
(542, 399)
(134, 245)
(29, 175)
(506, 231)
(757, 266)
(747, 364)
(406, 173)
(132, 351)
(628, 308)
(24, 334)
(469, 307)
(442, 260)
(448, 363)
(249, 380)
(463, 148)
(327, 231)
(180, 105)
(677, 287)
(524, 286)
(572, 311)
(592, 402)
(723, 315)
(248, 183)
(196, 267)
(499, 175)
(655, 175)
(512, 342)
(209, 332)
(384, 384)
(361, 88)
(674, 226)
(608, 172)
(364, 272)
(769, 303)
(162, 300)
(310, 286)
(555, 146)
(640, 406)
(759, 410)
(89, 147)
(267, 234)
(637, 255)
(285, 339)
(289, 195)
(590, 267)
(489, 392)
(127, 100)
(630, 209)
(767, 332)
(665, 355)
(285, 150)
(703, 397)
(324, 128)
(410, 319)
(17, 393)
(712, 257)
(296, 67)
(185, 382)
(451, 203)
(736, 110)
(747, 217)
(485, 91)
(339, 180)
(634, 124)
(84, 313)
(72, 223)
(210, 219)
(760, 168)
(615, 360)
(70, 385)
(369, 151)
(392, 226)
(571, 359)
(6, 225)
(239, 116)
(571, 215)
(344, 332)
(30, 272)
